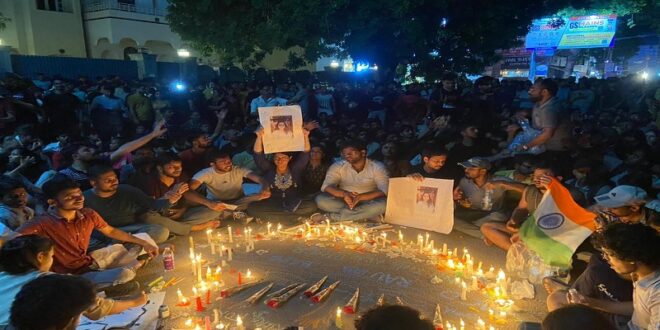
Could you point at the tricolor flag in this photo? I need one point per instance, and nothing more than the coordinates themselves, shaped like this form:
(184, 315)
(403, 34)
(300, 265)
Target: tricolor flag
(558, 226)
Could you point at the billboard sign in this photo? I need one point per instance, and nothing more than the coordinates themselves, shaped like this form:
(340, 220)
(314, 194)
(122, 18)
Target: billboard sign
(588, 32)
(543, 35)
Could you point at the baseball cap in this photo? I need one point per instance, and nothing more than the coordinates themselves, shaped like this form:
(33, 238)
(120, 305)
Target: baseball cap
(621, 196)
(653, 205)
(477, 162)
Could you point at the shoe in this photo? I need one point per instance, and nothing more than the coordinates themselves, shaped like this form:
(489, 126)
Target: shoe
(130, 288)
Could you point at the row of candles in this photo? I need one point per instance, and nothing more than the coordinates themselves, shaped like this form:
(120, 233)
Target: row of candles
(446, 259)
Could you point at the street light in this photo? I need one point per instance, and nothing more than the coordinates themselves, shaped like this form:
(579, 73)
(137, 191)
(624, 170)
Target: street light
(183, 52)
(334, 64)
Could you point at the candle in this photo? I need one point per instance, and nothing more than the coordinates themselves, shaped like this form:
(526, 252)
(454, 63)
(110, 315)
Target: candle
(216, 316)
(212, 248)
(444, 249)
(459, 269)
(207, 323)
(431, 245)
(268, 225)
(248, 275)
(208, 235)
(218, 273)
(468, 257)
(198, 261)
(457, 280)
(197, 327)
(230, 254)
(231, 238)
(358, 240)
(497, 292)
(463, 291)
(456, 252)
(475, 284)
(222, 250)
(193, 265)
(449, 254)
(502, 314)
(240, 278)
(198, 301)
(462, 323)
(384, 235)
(183, 301)
(426, 241)
(465, 253)
(188, 323)
(191, 243)
(491, 272)
(490, 314)
(209, 274)
(450, 264)
(400, 237)
(338, 320)
(481, 325)
(309, 228)
(279, 227)
(239, 323)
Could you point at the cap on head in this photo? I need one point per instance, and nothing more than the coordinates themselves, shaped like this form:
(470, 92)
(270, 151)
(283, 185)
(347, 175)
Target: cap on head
(476, 162)
(622, 196)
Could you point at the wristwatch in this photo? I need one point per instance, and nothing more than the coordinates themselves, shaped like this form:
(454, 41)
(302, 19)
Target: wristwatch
(525, 147)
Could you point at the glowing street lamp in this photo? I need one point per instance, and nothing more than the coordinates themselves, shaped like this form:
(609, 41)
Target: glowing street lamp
(183, 52)
(334, 64)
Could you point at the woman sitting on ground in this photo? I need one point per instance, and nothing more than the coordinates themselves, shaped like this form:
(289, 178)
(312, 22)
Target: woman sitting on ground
(285, 178)
(28, 257)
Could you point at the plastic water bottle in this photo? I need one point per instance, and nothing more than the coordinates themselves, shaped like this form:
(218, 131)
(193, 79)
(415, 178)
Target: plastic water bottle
(524, 124)
(168, 259)
(487, 201)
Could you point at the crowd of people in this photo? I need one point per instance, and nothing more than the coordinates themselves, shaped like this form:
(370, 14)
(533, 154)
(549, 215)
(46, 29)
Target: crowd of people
(88, 163)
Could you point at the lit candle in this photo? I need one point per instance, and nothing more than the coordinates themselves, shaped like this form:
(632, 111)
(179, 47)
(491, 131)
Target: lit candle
(309, 228)
(491, 314)
(245, 234)
(216, 316)
(434, 252)
(465, 253)
(491, 273)
(455, 252)
(358, 240)
(400, 237)
(338, 320)
(268, 225)
(209, 274)
(475, 284)
(248, 274)
(183, 301)
(239, 323)
(463, 291)
(469, 267)
(426, 241)
(193, 264)
(207, 291)
(218, 273)
(462, 323)
(503, 315)
(481, 325)
(431, 245)
(279, 227)
(191, 243)
(457, 280)
(459, 269)
(198, 300)
(308, 236)
(240, 278)
(230, 254)
(188, 323)
(444, 249)
(450, 264)
(231, 238)
(497, 292)
(208, 235)
(197, 327)
(384, 235)
(222, 250)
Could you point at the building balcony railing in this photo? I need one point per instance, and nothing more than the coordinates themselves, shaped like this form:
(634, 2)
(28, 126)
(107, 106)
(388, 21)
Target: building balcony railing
(101, 5)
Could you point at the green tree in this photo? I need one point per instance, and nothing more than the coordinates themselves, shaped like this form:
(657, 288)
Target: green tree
(442, 34)
(3, 21)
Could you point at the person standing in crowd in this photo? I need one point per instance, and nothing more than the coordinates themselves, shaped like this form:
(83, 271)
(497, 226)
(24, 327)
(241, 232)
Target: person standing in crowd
(547, 118)
(266, 99)
(107, 112)
(139, 105)
(62, 109)
(354, 188)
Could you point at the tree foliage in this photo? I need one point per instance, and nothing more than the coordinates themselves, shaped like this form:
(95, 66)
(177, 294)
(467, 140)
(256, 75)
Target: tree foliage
(3, 21)
(437, 35)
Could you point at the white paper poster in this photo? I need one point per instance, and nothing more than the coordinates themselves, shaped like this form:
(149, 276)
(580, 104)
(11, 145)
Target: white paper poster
(138, 318)
(282, 129)
(426, 205)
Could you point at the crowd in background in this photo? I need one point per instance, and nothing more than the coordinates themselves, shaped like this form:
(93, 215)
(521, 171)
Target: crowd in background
(146, 150)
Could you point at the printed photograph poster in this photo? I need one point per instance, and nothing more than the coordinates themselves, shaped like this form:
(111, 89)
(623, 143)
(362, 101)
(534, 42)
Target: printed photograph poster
(426, 205)
(282, 129)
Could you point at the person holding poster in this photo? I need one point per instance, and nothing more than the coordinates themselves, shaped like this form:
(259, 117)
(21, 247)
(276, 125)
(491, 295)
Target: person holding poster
(434, 159)
(282, 129)
(354, 188)
(284, 174)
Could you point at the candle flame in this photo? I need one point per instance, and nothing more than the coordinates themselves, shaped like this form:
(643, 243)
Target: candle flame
(239, 321)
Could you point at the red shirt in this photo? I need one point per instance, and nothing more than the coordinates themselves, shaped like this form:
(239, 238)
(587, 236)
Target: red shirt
(71, 238)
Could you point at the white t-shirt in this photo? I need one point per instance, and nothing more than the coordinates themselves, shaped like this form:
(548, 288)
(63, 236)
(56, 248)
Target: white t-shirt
(646, 303)
(222, 186)
(342, 175)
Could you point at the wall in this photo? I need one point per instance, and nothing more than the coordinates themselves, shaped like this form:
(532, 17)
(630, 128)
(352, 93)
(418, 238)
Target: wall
(42, 32)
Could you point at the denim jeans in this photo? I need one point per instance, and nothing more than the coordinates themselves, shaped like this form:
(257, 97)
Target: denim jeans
(339, 211)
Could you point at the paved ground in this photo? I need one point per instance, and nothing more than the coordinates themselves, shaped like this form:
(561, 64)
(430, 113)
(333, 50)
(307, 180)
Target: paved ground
(290, 260)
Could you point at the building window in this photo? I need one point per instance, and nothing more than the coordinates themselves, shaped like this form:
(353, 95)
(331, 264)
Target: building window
(55, 5)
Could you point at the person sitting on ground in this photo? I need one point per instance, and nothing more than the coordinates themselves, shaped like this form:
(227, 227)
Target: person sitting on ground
(434, 159)
(69, 225)
(392, 317)
(52, 302)
(131, 210)
(83, 156)
(224, 184)
(621, 204)
(30, 256)
(481, 197)
(284, 177)
(196, 158)
(499, 233)
(354, 188)
(14, 211)
(314, 173)
(634, 250)
(576, 317)
(167, 175)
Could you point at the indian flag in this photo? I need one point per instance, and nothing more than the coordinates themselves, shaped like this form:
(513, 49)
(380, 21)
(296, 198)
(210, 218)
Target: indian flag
(558, 226)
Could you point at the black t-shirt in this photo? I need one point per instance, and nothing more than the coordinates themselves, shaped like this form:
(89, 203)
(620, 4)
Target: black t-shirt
(601, 282)
(443, 173)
